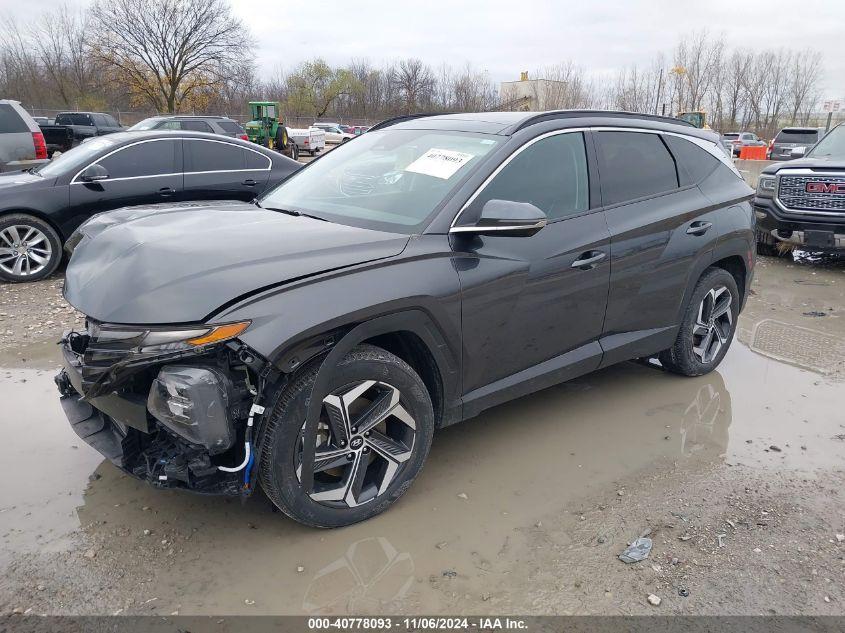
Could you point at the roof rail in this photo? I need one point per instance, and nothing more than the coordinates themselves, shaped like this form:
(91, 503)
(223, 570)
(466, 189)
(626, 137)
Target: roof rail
(618, 114)
(402, 118)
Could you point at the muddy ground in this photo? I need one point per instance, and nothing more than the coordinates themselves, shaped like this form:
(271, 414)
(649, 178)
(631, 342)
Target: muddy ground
(736, 476)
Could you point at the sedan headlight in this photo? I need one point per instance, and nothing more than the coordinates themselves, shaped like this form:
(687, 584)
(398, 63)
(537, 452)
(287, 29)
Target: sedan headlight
(766, 186)
(156, 340)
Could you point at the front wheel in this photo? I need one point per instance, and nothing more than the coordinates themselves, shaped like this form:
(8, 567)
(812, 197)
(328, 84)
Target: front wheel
(373, 435)
(708, 326)
(30, 249)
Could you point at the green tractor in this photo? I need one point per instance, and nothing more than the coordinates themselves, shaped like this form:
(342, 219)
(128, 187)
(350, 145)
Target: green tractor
(267, 128)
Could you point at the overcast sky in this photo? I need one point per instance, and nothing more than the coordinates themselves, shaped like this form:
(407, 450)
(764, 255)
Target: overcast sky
(507, 37)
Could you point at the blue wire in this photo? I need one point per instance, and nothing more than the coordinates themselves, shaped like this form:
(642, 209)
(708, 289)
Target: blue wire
(248, 467)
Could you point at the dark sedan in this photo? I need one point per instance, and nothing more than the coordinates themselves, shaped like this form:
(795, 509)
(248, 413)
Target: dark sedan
(40, 208)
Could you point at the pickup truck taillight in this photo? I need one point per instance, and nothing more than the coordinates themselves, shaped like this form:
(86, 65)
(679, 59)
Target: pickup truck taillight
(40, 145)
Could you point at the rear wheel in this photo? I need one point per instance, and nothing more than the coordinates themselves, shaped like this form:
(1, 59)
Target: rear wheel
(30, 249)
(708, 326)
(372, 437)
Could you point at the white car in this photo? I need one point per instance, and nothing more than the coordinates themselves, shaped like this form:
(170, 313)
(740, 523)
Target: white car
(334, 133)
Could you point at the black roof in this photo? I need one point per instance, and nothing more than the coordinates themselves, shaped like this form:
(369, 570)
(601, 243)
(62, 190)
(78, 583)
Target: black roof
(507, 123)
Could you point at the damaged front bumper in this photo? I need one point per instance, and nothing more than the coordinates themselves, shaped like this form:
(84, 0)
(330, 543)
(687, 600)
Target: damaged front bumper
(173, 420)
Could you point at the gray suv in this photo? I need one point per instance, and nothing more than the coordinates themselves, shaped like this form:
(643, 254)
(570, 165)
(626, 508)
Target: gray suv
(21, 141)
(790, 138)
(209, 124)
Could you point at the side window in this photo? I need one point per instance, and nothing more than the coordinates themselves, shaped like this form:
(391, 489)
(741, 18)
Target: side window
(254, 160)
(196, 126)
(100, 120)
(152, 158)
(551, 174)
(634, 165)
(212, 156)
(110, 121)
(169, 125)
(694, 162)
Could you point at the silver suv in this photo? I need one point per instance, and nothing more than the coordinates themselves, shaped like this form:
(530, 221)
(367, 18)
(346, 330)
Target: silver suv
(21, 141)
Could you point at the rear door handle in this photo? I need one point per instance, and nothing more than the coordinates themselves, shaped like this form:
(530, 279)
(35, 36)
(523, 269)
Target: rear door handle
(699, 228)
(588, 260)
(249, 182)
(166, 192)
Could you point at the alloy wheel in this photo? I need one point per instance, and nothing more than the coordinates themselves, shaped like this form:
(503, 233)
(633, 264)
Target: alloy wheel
(24, 250)
(713, 325)
(365, 437)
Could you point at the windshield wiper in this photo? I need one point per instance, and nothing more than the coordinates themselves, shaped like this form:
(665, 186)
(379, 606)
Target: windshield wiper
(292, 212)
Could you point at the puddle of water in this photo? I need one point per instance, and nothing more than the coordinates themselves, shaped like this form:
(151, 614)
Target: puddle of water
(527, 461)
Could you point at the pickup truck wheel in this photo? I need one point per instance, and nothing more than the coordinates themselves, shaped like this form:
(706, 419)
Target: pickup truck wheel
(373, 435)
(30, 249)
(707, 328)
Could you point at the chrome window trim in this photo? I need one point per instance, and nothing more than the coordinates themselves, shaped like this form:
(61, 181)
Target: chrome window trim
(710, 147)
(269, 160)
(803, 171)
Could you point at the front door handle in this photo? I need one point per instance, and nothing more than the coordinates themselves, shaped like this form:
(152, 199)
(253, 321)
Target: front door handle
(166, 192)
(588, 260)
(699, 228)
(249, 182)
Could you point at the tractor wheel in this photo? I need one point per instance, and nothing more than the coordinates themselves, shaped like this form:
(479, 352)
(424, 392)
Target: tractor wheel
(281, 138)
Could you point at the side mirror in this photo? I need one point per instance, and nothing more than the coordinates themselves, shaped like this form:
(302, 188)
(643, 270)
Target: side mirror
(798, 152)
(503, 217)
(93, 173)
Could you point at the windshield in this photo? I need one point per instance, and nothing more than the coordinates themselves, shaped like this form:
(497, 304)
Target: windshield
(76, 158)
(146, 124)
(832, 145)
(803, 137)
(389, 180)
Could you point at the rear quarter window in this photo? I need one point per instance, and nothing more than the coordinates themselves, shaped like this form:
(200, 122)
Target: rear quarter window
(694, 162)
(10, 121)
(230, 127)
(634, 165)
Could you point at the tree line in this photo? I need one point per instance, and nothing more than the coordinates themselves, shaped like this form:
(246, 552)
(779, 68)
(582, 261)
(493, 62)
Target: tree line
(148, 56)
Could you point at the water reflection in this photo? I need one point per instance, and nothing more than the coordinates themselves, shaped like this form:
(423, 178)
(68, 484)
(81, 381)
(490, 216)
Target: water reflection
(370, 576)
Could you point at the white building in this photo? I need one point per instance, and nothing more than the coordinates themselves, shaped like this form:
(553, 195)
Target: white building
(530, 94)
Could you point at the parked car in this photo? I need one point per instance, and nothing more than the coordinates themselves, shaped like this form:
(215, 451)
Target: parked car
(211, 124)
(87, 125)
(334, 133)
(39, 210)
(358, 129)
(22, 143)
(315, 340)
(738, 140)
(310, 140)
(791, 137)
(802, 202)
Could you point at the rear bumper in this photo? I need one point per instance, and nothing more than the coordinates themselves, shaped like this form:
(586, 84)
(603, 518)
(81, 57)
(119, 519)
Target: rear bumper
(19, 165)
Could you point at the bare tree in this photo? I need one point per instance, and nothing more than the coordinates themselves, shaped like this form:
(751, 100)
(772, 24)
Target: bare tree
(169, 49)
(415, 81)
(803, 84)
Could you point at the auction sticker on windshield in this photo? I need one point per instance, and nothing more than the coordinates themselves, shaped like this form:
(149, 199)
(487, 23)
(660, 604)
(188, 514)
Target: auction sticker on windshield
(440, 163)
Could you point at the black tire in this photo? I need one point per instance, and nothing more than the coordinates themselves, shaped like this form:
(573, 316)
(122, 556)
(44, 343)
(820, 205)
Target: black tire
(681, 357)
(53, 254)
(294, 151)
(766, 244)
(344, 139)
(281, 446)
(282, 139)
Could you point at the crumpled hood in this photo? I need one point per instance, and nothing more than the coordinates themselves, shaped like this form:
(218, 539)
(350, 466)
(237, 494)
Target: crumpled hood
(166, 263)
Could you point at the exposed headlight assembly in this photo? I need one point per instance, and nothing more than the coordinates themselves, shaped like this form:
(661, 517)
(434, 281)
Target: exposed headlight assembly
(766, 186)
